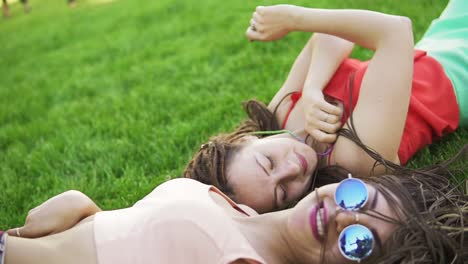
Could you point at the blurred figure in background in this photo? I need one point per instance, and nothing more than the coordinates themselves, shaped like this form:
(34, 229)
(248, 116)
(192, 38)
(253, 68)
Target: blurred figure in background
(71, 3)
(6, 8)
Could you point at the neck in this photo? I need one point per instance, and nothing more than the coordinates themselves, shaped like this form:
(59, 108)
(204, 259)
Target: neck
(268, 235)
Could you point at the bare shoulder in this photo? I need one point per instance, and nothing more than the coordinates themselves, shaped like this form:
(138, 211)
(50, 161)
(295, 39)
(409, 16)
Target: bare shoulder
(280, 106)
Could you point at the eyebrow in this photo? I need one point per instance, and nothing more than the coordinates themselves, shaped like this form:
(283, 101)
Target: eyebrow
(374, 201)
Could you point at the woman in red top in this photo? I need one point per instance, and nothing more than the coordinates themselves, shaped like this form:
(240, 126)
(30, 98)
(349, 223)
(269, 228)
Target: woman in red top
(400, 101)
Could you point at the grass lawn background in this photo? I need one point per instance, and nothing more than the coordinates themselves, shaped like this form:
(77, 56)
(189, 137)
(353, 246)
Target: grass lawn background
(113, 99)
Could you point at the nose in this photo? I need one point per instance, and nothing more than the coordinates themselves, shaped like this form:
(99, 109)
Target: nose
(347, 218)
(289, 171)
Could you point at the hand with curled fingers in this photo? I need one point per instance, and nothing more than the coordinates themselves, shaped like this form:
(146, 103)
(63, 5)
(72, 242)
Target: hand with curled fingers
(270, 23)
(55, 215)
(322, 119)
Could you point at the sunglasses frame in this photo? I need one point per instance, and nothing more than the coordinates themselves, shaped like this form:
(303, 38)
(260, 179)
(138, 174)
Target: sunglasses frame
(350, 178)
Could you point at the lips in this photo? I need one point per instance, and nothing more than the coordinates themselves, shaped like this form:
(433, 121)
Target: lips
(303, 162)
(318, 221)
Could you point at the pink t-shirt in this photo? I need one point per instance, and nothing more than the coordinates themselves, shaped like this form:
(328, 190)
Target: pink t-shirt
(178, 222)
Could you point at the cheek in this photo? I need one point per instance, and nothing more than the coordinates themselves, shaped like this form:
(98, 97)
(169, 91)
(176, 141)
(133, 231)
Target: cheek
(295, 190)
(387, 231)
(242, 177)
(298, 222)
(333, 254)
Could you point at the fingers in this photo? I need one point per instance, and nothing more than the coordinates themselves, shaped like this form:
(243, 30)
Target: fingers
(324, 117)
(253, 34)
(332, 119)
(324, 111)
(323, 137)
(323, 126)
(327, 127)
(330, 108)
(14, 232)
(255, 28)
(23, 231)
(29, 231)
(260, 9)
(257, 18)
(256, 25)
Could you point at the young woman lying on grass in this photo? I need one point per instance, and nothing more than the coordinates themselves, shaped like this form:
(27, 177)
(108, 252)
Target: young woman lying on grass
(401, 99)
(417, 217)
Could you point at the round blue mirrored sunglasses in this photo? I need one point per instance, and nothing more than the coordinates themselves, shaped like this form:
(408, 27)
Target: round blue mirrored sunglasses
(356, 242)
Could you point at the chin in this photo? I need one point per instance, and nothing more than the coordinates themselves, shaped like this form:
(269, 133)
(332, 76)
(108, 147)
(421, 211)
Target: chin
(313, 161)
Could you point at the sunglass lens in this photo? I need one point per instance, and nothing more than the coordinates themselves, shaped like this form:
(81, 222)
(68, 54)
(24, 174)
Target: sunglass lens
(351, 194)
(356, 242)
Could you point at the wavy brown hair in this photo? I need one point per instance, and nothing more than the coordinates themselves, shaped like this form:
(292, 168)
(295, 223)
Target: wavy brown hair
(433, 209)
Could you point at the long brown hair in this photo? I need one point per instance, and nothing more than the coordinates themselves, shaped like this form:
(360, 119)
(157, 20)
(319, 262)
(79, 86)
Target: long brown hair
(434, 211)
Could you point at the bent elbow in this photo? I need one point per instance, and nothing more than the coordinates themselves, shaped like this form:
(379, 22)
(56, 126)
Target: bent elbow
(407, 26)
(406, 21)
(398, 34)
(404, 27)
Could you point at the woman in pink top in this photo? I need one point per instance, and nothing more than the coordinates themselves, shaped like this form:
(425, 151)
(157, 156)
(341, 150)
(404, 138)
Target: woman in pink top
(400, 100)
(392, 219)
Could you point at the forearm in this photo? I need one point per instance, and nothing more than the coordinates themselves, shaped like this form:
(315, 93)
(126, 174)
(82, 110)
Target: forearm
(75, 245)
(368, 29)
(326, 56)
(314, 67)
(57, 214)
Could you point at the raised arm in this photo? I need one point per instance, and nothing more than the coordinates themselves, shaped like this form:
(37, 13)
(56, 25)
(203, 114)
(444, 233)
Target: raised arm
(314, 66)
(310, 73)
(382, 106)
(57, 214)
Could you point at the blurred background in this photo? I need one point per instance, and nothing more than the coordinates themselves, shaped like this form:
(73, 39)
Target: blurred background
(112, 97)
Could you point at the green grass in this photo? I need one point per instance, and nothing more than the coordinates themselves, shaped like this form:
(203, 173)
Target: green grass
(113, 99)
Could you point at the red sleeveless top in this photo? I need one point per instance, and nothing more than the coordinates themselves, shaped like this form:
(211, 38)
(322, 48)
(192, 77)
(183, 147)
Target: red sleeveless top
(433, 109)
